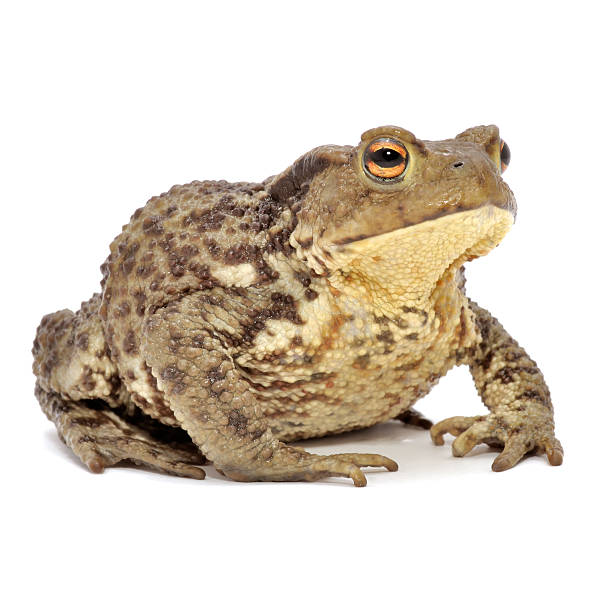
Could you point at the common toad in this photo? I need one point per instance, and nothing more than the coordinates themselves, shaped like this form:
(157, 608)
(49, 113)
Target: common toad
(237, 317)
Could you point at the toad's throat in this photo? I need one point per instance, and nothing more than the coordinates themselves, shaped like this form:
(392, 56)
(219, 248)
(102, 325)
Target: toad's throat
(405, 265)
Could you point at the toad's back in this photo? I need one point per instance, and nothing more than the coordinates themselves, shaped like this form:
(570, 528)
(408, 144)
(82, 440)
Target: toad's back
(194, 238)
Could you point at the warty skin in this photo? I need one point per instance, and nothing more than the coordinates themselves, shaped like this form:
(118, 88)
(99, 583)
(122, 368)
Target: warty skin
(237, 317)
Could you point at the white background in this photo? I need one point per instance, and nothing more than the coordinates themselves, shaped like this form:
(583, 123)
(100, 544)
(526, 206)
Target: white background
(105, 104)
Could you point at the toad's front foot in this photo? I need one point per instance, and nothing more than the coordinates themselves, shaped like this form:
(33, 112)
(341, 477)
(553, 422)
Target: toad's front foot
(296, 464)
(516, 431)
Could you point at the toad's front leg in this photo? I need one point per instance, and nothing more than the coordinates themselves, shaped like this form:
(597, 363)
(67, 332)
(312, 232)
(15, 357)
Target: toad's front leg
(513, 388)
(213, 402)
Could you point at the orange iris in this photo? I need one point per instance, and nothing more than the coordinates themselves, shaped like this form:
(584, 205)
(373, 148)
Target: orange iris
(386, 158)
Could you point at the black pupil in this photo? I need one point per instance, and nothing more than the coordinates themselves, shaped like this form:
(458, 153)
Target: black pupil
(504, 154)
(386, 158)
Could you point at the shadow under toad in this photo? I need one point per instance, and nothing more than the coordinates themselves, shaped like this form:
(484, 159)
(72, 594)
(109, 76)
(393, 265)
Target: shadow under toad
(410, 447)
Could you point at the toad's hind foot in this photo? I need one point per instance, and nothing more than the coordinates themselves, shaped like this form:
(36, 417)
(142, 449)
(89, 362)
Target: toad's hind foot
(415, 418)
(101, 438)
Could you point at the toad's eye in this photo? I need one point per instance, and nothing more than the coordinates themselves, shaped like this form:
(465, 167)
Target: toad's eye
(385, 159)
(504, 155)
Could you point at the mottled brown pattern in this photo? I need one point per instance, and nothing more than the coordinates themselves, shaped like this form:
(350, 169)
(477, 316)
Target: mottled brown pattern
(243, 316)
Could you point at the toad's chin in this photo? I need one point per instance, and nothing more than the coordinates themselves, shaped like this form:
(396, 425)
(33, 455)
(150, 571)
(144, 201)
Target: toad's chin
(411, 260)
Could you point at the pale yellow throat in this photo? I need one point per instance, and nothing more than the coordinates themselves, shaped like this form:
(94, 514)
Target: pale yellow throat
(404, 266)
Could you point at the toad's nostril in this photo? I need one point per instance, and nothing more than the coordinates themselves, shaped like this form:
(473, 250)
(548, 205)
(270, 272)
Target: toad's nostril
(458, 164)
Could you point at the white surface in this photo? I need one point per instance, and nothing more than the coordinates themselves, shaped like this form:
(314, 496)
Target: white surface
(106, 104)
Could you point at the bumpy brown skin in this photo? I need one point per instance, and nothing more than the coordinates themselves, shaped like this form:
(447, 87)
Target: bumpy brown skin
(319, 301)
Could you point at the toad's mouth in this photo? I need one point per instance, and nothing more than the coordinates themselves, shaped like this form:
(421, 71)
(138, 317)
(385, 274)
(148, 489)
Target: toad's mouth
(487, 223)
(508, 206)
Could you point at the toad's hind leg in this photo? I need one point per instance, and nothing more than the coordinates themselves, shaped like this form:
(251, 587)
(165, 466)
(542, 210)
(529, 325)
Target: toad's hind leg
(79, 389)
(101, 437)
(214, 402)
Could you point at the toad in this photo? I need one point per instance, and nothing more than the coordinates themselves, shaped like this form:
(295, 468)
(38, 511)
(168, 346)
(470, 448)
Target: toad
(236, 318)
